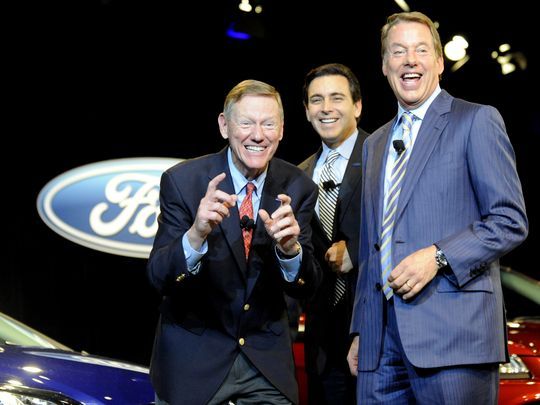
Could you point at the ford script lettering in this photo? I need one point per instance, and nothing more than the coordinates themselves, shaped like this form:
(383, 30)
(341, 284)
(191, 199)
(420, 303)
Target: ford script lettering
(110, 206)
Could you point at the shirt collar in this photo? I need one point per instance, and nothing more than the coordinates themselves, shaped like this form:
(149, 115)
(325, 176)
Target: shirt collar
(239, 180)
(345, 149)
(421, 111)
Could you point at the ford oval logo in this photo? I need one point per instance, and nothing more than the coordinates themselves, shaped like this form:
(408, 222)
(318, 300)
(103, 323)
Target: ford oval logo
(111, 206)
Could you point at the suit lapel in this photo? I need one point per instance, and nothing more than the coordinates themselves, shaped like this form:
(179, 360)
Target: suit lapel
(431, 129)
(261, 240)
(230, 226)
(309, 169)
(351, 178)
(375, 173)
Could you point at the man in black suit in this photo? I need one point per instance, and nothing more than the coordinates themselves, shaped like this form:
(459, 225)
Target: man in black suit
(223, 270)
(333, 104)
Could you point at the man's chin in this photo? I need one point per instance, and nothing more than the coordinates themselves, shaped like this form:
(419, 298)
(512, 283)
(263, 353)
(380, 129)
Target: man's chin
(256, 168)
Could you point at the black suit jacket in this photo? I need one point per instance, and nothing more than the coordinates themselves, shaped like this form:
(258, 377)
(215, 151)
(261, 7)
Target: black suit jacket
(319, 338)
(229, 305)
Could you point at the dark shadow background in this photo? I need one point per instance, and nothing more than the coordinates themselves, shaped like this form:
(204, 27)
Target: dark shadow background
(92, 80)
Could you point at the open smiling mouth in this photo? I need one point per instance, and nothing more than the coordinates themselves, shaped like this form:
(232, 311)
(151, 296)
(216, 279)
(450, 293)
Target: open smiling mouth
(411, 77)
(253, 148)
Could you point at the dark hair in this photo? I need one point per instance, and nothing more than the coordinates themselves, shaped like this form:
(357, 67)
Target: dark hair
(333, 69)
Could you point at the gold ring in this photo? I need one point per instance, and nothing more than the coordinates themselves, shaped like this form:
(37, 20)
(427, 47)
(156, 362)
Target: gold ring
(408, 285)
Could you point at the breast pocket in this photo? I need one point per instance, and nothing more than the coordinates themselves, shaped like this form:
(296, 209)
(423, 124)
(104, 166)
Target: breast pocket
(442, 159)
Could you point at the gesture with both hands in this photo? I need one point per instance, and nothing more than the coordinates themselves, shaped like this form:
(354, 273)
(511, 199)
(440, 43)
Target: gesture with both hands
(281, 225)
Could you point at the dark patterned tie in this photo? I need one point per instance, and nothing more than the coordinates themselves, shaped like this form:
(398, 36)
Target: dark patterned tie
(391, 200)
(327, 209)
(246, 209)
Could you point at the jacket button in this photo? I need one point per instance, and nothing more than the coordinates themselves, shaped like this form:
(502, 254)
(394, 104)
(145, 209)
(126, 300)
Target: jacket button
(246, 307)
(301, 281)
(180, 278)
(241, 341)
(377, 247)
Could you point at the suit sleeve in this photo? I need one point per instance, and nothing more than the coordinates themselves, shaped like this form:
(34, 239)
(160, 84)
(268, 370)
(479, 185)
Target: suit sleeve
(363, 250)
(167, 263)
(503, 222)
(309, 275)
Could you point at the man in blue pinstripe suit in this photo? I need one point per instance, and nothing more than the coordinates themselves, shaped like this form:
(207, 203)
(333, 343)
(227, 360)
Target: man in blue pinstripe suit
(438, 333)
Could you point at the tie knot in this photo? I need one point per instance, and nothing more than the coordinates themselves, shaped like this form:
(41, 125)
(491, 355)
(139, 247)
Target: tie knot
(332, 157)
(249, 188)
(407, 119)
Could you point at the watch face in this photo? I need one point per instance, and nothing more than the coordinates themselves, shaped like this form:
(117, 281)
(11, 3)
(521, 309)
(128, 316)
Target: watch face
(440, 259)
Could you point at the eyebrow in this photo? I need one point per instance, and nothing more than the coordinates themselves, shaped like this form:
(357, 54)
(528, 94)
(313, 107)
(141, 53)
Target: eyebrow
(403, 46)
(335, 93)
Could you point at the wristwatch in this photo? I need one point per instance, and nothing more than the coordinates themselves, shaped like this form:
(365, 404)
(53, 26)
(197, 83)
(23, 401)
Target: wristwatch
(440, 258)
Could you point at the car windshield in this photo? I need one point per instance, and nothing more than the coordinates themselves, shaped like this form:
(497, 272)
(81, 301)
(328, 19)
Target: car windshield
(13, 332)
(521, 294)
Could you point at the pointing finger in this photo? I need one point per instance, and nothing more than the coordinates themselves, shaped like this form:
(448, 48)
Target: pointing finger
(264, 216)
(212, 185)
(284, 198)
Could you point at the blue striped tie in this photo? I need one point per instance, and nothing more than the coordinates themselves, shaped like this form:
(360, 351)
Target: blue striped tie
(390, 202)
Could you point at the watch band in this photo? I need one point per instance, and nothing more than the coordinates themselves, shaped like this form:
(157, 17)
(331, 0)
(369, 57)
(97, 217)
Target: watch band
(285, 256)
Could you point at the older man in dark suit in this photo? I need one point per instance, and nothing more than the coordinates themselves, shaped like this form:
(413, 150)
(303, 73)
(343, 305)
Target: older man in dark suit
(233, 237)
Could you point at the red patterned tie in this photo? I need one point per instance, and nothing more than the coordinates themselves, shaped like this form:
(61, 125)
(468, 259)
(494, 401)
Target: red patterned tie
(246, 209)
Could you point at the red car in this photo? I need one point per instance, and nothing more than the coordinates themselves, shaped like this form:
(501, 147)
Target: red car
(519, 378)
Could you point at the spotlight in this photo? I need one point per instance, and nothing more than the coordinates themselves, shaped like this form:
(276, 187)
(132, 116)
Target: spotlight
(456, 51)
(509, 60)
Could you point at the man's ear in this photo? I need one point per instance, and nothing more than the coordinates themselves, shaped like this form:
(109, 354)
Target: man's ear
(222, 122)
(307, 113)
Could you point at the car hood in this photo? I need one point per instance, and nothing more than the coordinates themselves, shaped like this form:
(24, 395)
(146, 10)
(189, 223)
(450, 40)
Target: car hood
(524, 336)
(85, 378)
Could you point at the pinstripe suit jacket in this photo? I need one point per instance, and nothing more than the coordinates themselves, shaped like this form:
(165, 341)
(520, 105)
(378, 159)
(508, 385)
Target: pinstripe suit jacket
(462, 192)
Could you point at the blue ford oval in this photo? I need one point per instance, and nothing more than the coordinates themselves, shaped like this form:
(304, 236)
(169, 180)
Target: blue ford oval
(111, 206)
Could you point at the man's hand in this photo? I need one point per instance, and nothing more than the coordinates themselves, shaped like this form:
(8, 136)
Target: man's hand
(338, 258)
(282, 226)
(212, 209)
(414, 272)
(352, 356)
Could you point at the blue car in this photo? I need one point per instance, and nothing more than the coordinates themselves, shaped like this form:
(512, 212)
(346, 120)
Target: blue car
(37, 370)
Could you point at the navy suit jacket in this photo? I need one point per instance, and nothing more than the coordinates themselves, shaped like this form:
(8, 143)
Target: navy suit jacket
(229, 305)
(462, 192)
(346, 225)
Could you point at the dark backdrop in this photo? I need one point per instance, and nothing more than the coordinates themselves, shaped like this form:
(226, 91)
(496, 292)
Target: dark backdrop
(95, 80)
